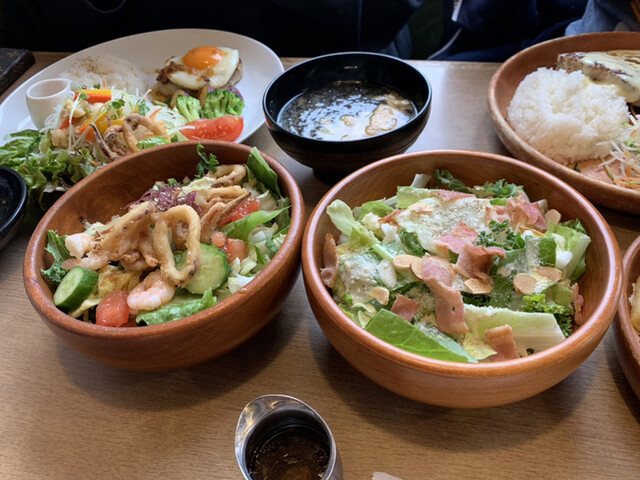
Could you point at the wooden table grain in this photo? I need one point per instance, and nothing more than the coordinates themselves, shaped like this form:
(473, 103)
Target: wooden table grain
(63, 416)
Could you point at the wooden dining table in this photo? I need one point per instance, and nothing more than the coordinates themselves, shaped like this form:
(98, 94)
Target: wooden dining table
(64, 416)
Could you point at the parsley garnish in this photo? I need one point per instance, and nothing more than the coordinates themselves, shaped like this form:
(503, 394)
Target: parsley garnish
(207, 163)
(502, 235)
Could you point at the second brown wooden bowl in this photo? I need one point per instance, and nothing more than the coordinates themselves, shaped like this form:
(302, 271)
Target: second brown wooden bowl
(626, 337)
(453, 384)
(190, 340)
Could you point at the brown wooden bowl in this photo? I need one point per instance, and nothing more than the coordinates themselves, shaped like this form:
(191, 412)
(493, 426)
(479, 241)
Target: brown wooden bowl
(181, 343)
(503, 86)
(626, 338)
(453, 384)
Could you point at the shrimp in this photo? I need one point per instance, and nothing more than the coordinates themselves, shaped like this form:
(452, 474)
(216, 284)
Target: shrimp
(86, 251)
(153, 292)
(79, 243)
(95, 260)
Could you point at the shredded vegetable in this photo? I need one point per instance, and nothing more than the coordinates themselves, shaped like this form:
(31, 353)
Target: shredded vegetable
(623, 165)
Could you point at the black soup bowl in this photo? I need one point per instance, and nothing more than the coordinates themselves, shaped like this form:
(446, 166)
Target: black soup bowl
(13, 203)
(333, 159)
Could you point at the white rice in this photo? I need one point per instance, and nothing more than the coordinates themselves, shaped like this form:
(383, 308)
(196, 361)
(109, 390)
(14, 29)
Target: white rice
(567, 117)
(108, 71)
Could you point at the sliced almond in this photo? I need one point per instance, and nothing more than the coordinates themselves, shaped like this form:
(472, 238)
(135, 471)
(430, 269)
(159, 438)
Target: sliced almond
(403, 262)
(416, 267)
(420, 207)
(552, 216)
(478, 287)
(535, 232)
(381, 294)
(552, 273)
(524, 284)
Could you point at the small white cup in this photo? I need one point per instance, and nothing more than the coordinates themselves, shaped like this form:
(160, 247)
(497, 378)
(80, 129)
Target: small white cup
(43, 98)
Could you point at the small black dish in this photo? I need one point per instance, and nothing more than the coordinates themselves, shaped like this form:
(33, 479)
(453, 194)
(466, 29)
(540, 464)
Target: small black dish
(13, 203)
(332, 160)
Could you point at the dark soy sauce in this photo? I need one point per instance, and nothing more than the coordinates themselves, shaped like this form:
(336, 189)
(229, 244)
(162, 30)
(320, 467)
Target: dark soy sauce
(292, 452)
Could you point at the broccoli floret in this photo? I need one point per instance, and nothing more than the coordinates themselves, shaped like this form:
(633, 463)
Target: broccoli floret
(222, 102)
(188, 107)
(539, 303)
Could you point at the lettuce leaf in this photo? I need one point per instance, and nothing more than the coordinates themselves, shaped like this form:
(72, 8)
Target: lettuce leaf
(56, 247)
(44, 169)
(409, 195)
(563, 314)
(243, 227)
(263, 172)
(531, 330)
(175, 311)
(377, 207)
(574, 241)
(151, 142)
(342, 217)
(398, 332)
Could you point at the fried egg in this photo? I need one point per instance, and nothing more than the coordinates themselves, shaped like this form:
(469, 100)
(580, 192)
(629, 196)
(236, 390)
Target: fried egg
(201, 66)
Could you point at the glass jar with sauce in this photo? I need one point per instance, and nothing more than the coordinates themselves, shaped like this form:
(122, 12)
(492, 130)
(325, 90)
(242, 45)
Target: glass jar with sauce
(279, 436)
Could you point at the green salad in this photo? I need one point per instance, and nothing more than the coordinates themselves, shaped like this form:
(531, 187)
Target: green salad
(179, 249)
(96, 126)
(455, 272)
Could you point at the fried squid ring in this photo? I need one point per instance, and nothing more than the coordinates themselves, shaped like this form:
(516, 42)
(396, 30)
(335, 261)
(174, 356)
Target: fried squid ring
(104, 146)
(134, 262)
(131, 124)
(216, 195)
(114, 141)
(226, 175)
(217, 212)
(122, 236)
(162, 243)
(145, 246)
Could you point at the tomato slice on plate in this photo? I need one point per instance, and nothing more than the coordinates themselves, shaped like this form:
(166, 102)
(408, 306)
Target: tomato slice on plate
(113, 310)
(227, 128)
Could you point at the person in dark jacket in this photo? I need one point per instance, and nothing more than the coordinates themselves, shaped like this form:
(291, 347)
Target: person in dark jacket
(289, 27)
(494, 30)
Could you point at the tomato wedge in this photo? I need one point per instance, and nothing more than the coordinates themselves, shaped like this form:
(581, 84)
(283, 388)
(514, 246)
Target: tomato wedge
(227, 128)
(236, 248)
(250, 205)
(113, 310)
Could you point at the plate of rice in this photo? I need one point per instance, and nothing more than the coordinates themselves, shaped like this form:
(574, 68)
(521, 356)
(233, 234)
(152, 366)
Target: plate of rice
(132, 63)
(574, 128)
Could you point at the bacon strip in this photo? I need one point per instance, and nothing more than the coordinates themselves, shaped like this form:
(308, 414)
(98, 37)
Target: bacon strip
(521, 210)
(450, 195)
(438, 275)
(456, 239)
(474, 261)
(390, 218)
(577, 302)
(497, 213)
(405, 307)
(501, 340)
(329, 272)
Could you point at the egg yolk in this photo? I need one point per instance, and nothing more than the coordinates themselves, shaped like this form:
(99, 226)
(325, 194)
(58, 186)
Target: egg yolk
(201, 58)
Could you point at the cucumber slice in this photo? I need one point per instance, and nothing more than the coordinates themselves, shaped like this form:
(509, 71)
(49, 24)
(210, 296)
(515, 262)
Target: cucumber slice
(74, 288)
(213, 272)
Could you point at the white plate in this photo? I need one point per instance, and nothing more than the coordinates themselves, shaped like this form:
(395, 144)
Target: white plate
(148, 52)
